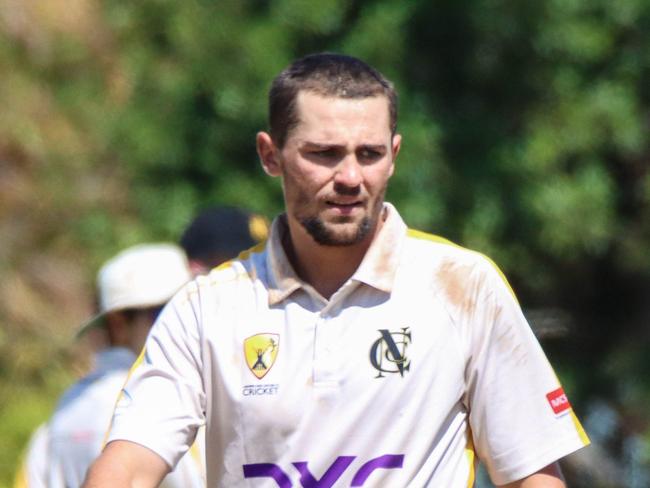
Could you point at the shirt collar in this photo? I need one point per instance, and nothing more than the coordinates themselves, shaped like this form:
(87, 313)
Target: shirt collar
(377, 268)
(380, 263)
(283, 279)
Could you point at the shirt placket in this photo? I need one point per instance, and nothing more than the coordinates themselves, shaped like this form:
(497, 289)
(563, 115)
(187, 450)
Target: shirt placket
(327, 343)
(325, 366)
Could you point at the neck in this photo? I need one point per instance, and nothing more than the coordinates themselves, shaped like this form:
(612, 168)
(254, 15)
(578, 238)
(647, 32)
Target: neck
(326, 268)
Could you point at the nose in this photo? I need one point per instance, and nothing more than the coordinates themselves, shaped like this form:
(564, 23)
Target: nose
(348, 172)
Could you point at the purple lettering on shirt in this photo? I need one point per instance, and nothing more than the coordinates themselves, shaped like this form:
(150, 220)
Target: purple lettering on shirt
(267, 470)
(387, 461)
(334, 472)
(331, 476)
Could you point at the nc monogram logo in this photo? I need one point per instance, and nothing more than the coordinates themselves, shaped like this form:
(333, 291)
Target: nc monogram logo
(388, 353)
(260, 351)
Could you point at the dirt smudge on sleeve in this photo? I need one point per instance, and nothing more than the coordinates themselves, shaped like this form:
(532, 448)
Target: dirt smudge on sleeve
(455, 281)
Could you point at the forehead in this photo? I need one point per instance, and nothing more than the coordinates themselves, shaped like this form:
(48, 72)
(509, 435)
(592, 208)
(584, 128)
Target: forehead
(323, 118)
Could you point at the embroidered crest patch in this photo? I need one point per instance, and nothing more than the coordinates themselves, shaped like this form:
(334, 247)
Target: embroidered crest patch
(260, 351)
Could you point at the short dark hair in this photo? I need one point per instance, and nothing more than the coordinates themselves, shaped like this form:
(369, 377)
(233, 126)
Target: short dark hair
(327, 74)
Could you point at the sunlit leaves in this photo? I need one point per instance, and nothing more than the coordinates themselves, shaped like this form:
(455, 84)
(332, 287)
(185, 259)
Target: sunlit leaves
(575, 211)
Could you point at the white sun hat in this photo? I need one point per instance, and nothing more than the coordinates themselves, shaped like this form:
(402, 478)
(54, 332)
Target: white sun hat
(142, 276)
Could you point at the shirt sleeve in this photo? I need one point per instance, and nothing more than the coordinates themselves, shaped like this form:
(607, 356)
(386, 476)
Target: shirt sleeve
(521, 421)
(189, 472)
(162, 403)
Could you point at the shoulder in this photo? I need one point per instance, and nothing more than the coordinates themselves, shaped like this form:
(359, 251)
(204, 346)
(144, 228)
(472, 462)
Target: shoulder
(248, 266)
(245, 269)
(445, 253)
(234, 282)
(455, 268)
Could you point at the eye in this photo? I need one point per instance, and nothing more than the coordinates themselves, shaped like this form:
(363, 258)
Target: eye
(367, 154)
(324, 154)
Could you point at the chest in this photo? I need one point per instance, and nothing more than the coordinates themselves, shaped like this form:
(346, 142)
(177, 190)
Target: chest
(286, 362)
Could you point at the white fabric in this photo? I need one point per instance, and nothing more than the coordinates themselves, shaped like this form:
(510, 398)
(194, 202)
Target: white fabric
(422, 359)
(81, 420)
(33, 472)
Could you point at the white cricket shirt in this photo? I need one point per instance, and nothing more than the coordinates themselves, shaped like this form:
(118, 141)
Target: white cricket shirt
(419, 363)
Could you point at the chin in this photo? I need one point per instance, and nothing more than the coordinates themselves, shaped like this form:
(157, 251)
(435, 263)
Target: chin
(337, 233)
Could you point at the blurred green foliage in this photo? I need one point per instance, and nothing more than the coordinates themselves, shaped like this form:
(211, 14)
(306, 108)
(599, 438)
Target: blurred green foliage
(525, 130)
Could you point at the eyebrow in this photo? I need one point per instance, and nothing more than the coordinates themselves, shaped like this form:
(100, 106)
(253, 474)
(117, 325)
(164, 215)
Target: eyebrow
(374, 147)
(320, 145)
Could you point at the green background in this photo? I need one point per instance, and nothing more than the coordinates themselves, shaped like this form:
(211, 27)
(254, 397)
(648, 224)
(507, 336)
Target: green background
(525, 128)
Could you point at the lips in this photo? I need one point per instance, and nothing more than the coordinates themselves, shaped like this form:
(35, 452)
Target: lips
(344, 204)
(344, 201)
(344, 208)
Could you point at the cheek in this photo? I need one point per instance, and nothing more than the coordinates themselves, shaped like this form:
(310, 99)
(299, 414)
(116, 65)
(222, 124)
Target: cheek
(303, 183)
(295, 196)
(377, 178)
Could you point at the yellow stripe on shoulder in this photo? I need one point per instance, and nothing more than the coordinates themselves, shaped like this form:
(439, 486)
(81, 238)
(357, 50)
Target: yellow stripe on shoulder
(255, 249)
(221, 267)
(241, 256)
(417, 234)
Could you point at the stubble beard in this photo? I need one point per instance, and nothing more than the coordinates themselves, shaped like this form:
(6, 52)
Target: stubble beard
(327, 235)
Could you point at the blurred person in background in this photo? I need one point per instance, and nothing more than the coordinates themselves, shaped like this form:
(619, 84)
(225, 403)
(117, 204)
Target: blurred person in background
(132, 288)
(215, 235)
(219, 234)
(33, 472)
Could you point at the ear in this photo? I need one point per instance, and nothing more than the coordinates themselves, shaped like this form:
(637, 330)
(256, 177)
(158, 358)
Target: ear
(395, 146)
(268, 154)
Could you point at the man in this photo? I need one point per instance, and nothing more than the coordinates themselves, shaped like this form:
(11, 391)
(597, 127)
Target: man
(349, 350)
(132, 288)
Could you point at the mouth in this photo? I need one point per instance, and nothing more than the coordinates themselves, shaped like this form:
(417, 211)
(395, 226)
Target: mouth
(343, 203)
(344, 207)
